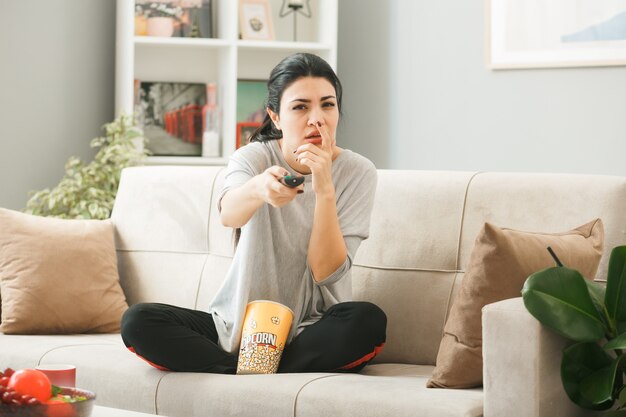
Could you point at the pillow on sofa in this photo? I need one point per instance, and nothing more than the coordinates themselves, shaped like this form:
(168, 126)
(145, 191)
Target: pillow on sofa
(58, 276)
(500, 262)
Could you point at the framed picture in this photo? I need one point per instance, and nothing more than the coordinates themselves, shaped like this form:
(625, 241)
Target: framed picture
(555, 33)
(251, 95)
(255, 20)
(245, 131)
(171, 116)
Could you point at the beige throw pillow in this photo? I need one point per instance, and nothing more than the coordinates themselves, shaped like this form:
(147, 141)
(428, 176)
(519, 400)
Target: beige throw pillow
(500, 262)
(58, 276)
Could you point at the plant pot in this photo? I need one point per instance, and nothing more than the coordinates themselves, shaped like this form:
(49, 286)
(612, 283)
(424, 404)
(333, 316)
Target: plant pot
(160, 26)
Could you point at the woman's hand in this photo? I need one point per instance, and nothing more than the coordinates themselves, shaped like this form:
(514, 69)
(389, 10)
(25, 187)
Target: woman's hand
(239, 204)
(272, 191)
(319, 160)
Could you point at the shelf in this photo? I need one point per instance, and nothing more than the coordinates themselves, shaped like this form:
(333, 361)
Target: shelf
(184, 160)
(256, 59)
(180, 42)
(282, 46)
(222, 60)
(188, 60)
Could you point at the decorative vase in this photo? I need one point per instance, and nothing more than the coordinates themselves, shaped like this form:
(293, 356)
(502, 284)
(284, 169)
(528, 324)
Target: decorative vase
(160, 26)
(141, 26)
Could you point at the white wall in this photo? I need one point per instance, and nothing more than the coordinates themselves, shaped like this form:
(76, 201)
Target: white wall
(364, 68)
(57, 67)
(417, 94)
(443, 109)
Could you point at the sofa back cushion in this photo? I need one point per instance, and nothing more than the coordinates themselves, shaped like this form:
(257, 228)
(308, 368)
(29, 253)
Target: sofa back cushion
(423, 230)
(408, 266)
(172, 247)
(162, 217)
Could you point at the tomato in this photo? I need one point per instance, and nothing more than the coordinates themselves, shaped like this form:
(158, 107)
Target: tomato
(31, 382)
(57, 407)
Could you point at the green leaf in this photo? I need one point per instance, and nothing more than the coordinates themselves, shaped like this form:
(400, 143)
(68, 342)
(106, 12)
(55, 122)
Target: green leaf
(558, 297)
(618, 343)
(588, 375)
(600, 385)
(93, 210)
(597, 293)
(615, 299)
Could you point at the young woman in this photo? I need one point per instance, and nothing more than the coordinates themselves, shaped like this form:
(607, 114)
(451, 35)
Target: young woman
(296, 245)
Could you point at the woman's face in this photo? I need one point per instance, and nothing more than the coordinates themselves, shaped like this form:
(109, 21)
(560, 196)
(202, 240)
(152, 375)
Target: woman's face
(304, 103)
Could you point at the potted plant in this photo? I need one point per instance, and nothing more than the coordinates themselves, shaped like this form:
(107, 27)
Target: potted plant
(160, 17)
(593, 317)
(87, 191)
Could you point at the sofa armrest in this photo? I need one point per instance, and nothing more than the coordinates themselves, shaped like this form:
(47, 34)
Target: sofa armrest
(521, 365)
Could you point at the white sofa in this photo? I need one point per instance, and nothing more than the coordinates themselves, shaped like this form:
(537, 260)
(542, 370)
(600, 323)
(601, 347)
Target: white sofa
(173, 249)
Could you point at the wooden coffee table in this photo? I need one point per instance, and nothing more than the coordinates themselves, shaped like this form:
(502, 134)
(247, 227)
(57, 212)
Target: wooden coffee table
(99, 411)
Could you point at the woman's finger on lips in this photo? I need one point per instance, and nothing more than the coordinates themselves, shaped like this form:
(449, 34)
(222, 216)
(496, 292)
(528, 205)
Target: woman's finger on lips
(327, 141)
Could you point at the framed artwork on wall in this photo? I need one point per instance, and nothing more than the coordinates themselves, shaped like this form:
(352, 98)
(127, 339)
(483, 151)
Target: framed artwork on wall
(245, 131)
(255, 20)
(555, 33)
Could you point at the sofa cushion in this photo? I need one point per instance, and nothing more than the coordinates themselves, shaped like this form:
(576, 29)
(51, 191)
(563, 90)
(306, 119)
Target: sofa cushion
(27, 351)
(118, 377)
(103, 365)
(396, 390)
(501, 261)
(218, 395)
(58, 276)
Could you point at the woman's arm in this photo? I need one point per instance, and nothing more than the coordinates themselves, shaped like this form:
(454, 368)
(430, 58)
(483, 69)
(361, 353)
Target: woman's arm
(239, 204)
(327, 248)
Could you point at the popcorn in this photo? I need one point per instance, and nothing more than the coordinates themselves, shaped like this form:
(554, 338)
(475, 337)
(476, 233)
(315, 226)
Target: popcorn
(258, 358)
(264, 337)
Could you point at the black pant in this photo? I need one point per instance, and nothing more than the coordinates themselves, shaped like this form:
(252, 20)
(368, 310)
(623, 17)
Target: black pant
(173, 338)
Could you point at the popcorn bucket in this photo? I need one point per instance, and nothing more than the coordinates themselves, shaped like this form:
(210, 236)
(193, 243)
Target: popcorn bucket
(265, 331)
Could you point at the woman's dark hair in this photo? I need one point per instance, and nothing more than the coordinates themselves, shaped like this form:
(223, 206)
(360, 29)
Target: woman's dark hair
(284, 74)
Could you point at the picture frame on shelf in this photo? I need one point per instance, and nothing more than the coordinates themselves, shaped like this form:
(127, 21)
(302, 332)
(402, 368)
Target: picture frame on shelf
(245, 131)
(255, 20)
(170, 115)
(251, 95)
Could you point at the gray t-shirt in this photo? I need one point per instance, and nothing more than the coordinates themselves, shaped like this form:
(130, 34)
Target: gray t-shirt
(270, 262)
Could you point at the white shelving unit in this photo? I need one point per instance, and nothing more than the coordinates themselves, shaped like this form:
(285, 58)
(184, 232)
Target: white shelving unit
(223, 59)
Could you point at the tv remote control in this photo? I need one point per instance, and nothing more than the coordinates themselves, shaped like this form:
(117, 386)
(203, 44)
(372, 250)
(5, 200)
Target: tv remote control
(292, 180)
